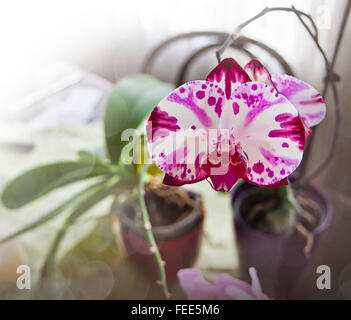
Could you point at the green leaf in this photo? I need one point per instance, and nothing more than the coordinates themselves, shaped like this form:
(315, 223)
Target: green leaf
(130, 102)
(39, 181)
(99, 245)
(50, 215)
(89, 201)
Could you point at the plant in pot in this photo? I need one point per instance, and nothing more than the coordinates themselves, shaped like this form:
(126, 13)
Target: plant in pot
(176, 216)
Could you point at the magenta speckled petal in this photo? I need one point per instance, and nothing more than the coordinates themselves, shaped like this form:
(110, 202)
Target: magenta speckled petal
(268, 130)
(179, 124)
(235, 170)
(282, 183)
(228, 74)
(257, 72)
(307, 100)
(170, 181)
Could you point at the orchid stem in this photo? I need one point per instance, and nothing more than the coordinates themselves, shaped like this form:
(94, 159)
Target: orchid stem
(150, 236)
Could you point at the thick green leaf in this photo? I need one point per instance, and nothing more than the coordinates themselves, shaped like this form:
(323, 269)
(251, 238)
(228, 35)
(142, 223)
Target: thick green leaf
(131, 101)
(99, 245)
(39, 181)
(90, 200)
(50, 215)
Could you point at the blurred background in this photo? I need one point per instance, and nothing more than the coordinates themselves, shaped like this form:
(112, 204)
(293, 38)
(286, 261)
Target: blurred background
(60, 59)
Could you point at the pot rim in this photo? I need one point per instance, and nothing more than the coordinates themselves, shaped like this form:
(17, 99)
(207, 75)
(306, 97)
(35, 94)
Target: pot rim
(167, 232)
(320, 228)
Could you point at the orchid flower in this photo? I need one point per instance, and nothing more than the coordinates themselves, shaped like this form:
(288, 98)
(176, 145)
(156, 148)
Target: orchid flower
(239, 123)
(224, 287)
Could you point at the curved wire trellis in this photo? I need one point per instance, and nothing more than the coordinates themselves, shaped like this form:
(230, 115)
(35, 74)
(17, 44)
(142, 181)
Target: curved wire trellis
(221, 36)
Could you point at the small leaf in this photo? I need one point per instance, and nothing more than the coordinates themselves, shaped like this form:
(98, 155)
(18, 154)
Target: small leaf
(130, 102)
(39, 181)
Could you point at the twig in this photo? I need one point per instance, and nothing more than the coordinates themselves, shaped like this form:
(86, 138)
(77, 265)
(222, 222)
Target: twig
(314, 37)
(148, 229)
(235, 34)
(331, 76)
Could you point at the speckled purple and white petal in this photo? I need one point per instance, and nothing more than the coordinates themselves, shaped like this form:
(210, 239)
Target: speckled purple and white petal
(183, 119)
(269, 131)
(307, 100)
(258, 72)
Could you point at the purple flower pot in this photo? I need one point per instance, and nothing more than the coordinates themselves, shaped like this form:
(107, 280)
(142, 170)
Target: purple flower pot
(279, 260)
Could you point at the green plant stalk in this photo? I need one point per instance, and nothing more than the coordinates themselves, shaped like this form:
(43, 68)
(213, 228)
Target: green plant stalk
(149, 234)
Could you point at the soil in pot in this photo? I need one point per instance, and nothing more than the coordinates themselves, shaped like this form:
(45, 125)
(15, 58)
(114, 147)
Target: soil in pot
(167, 205)
(176, 216)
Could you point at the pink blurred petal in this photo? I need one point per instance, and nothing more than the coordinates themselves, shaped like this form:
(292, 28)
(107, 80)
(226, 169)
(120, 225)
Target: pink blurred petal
(256, 285)
(233, 289)
(195, 286)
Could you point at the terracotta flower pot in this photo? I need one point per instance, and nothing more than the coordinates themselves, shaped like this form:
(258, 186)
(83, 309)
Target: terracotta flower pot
(179, 242)
(279, 260)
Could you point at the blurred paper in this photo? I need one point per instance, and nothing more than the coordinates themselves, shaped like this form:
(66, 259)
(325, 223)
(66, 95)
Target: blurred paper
(78, 107)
